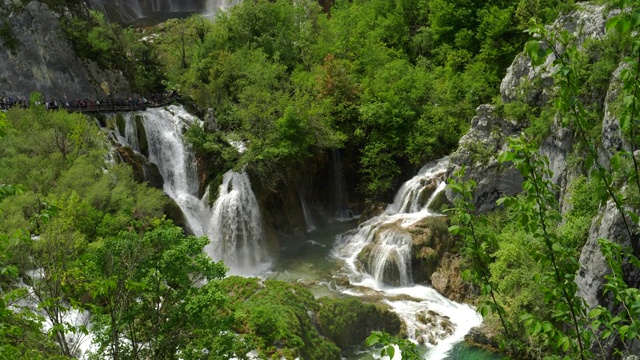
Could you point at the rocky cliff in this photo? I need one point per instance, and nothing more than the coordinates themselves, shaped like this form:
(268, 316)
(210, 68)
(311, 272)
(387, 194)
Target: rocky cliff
(36, 56)
(487, 138)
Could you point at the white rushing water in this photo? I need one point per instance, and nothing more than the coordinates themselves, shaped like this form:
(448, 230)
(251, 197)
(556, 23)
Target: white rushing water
(235, 227)
(384, 245)
(234, 223)
(175, 160)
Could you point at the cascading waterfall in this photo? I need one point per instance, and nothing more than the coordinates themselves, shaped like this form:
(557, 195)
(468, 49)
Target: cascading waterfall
(234, 223)
(377, 255)
(390, 260)
(176, 161)
(414, 195)
(235, 226)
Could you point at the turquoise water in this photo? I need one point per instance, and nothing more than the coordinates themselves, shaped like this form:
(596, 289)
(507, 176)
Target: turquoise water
(463, 351)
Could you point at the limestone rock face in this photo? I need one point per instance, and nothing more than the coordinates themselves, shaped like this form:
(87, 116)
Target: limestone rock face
(487, 138)
(532, 84)
(591, 277)
(43, 60)
(477, 150)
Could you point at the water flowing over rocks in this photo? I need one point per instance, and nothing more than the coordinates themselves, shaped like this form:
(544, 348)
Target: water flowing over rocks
(235, 226)
(388, 253)
(43, 60)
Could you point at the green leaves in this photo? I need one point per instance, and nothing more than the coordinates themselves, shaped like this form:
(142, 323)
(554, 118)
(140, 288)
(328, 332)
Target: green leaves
(537, 52)
(389, 343)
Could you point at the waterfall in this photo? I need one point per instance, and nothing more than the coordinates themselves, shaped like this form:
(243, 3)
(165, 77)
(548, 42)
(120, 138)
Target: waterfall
(235, 227)
(308, 219)
(176, 161)
(390, 261)
(342, 211)
(415, 194)
(377, 255)
(234, 223)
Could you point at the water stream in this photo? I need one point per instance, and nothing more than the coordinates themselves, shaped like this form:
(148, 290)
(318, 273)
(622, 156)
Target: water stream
(310, 224)
(235, 227)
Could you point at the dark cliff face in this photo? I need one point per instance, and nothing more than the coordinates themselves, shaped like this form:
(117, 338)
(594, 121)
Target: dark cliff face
(35, 55)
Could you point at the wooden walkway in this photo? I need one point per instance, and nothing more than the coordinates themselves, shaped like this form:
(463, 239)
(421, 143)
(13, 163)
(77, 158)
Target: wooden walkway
(107, 108)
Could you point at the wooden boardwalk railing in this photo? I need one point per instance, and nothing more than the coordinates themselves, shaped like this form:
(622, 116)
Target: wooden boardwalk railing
(92, 108)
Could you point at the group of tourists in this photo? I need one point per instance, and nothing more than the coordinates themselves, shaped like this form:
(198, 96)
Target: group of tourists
(96, 105)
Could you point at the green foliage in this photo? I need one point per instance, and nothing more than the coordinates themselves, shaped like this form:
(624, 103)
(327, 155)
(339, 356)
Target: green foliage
(159, 295)
(56, 156)
(348, 322)
(389, 343)
(94, 38)
(477, 248)
(274, 318)
(536, 210)
(392, 83)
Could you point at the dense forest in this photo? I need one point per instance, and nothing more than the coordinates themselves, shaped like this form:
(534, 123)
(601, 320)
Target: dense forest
(391, 85)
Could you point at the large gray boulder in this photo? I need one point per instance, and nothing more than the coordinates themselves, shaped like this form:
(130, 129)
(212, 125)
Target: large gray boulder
(45, 61)
(477, 151)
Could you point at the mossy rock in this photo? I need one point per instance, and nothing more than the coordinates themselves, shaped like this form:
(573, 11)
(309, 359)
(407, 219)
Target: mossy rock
(439, 202)
(348, 322)
(278, 319)
(121, 123)
(143, 143)
(431, 240)
(173, 212)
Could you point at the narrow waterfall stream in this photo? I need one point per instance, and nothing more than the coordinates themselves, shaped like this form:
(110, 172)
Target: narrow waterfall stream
(310, 224)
